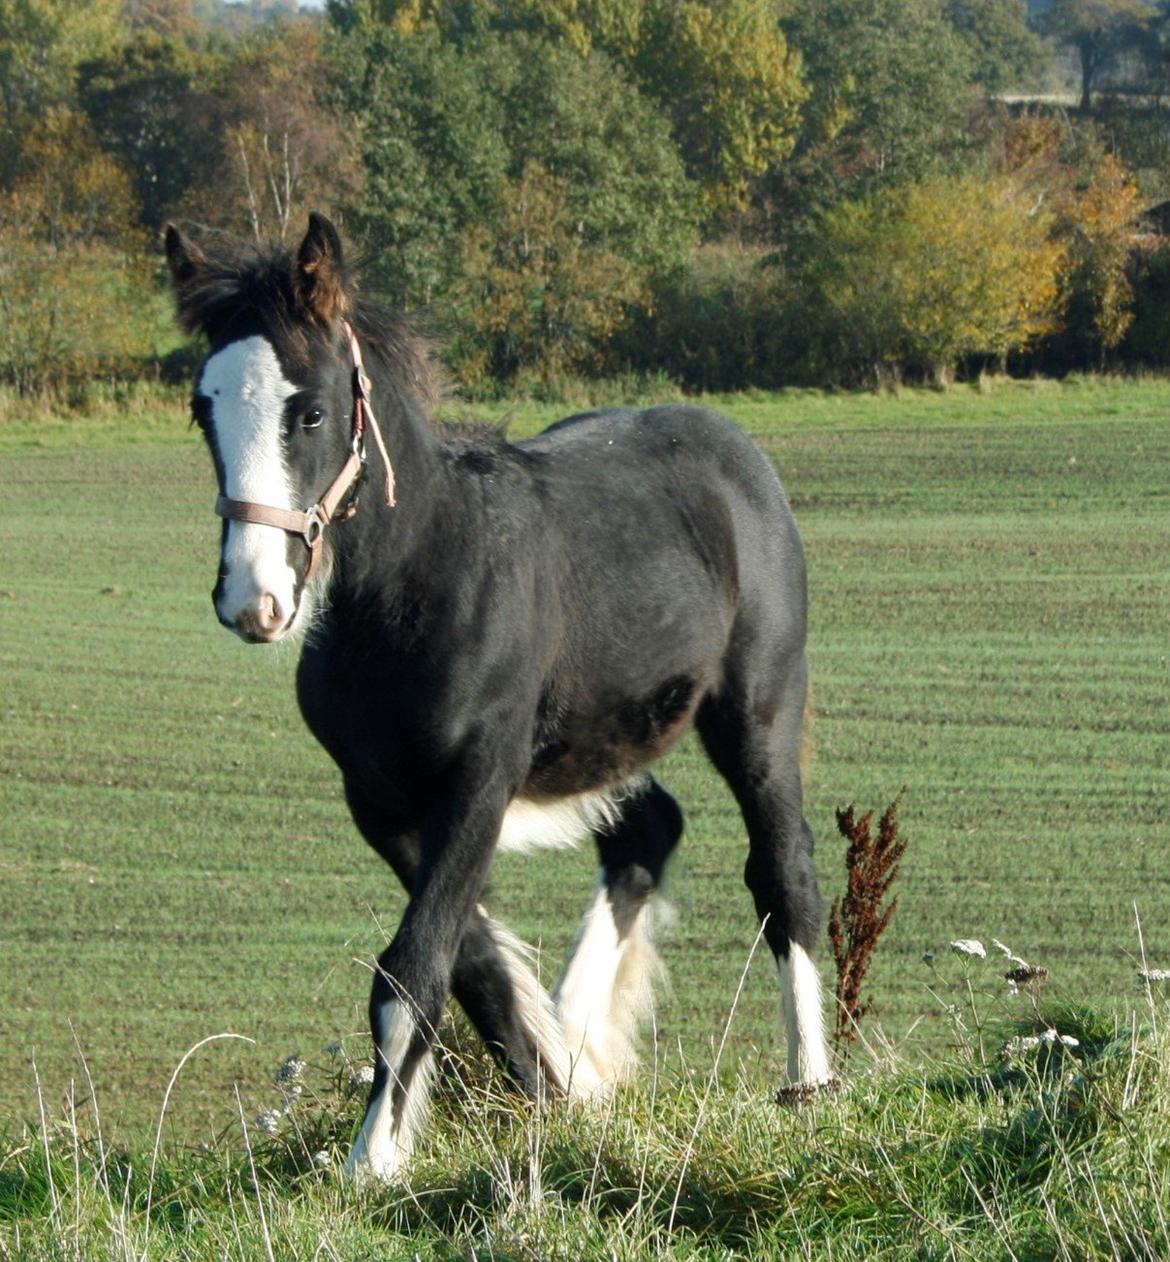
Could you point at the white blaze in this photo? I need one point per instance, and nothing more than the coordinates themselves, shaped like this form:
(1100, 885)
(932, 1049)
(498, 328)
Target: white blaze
(248, 391)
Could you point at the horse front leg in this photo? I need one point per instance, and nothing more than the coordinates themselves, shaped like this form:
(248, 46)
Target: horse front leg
(492, 978)
(413, 976)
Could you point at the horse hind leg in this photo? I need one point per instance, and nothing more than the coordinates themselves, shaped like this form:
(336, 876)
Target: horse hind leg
(607, 988)
(754, 740)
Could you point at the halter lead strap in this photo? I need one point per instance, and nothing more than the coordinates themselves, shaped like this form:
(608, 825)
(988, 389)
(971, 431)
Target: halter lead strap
(310, 524)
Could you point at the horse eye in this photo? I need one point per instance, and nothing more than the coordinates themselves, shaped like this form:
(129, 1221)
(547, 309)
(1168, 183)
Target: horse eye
(312, 419)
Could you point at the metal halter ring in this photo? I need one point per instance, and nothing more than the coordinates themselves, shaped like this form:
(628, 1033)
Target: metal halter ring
(314, 526)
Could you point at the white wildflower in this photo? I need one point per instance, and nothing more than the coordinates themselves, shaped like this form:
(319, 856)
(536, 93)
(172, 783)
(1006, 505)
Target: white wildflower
(290, 1071)
(363, 1076)
(1029, 1042)
(322, 1159)
(1021, 1043)
(1154, 975)
(269, 1121)
(292, 1095)
(968, 946)
(1051, 1036)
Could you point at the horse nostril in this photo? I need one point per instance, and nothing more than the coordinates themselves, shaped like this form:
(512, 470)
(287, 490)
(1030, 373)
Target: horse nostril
(269, 614)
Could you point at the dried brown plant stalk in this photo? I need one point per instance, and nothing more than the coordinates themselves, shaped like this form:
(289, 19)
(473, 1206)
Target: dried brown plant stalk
(858, 920)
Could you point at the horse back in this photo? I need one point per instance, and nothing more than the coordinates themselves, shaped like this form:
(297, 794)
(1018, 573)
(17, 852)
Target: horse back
(665, 535)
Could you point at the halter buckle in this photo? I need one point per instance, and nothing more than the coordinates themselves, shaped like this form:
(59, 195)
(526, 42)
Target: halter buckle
(314, 525)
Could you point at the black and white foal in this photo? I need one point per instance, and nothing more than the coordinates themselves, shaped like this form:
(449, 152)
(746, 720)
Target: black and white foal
(497, 645)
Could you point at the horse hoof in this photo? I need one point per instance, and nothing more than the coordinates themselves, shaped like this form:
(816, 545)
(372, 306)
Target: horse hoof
(367, 1172)
(798, 1093)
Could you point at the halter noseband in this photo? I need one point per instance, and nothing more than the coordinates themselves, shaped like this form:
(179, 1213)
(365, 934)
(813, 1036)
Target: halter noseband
(310, 524)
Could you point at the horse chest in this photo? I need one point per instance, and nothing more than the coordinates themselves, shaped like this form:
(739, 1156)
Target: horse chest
(379, 725)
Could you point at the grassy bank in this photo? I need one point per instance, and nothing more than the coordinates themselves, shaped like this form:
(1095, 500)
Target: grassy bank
(1050, 1142)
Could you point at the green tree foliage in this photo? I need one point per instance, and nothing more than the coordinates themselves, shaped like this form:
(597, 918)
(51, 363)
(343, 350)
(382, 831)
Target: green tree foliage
(720, 70)
(615, 27)
(433, 148)
(1147, 340)
(724, 73)
(540, 299)
(1097, 30)
(582, 119)
(449, 129)
(723, 321)
(1003, 51)
(452, 20)
(890, 84)
(142, 102)
(933, 272)
(41, 44)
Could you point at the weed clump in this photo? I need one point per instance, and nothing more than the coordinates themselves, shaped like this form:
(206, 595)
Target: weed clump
(859, 919)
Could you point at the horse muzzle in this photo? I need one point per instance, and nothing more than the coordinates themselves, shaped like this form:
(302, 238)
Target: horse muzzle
(264, 620)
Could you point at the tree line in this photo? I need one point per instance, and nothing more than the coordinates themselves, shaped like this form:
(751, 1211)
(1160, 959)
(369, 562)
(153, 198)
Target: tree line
(725, 193)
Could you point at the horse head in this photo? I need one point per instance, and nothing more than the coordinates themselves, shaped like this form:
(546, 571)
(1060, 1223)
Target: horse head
(277, 400)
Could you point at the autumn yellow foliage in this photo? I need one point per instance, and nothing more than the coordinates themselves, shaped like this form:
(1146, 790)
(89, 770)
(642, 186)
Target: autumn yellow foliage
(72, 266)
(1099, 230)
(938, 271)
(1094, 205)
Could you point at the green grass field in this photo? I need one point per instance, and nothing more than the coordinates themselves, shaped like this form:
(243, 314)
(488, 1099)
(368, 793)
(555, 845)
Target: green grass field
(990, 579)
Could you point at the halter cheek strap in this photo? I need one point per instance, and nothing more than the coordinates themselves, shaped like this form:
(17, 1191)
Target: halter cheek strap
(363, 414)
(310, 523)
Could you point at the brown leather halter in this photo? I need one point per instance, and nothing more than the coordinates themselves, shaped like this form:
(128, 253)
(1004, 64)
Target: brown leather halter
(310, 524)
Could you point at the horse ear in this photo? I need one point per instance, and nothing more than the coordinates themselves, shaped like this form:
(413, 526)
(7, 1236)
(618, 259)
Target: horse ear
(184, 257)
(321, 283)
(187, 263)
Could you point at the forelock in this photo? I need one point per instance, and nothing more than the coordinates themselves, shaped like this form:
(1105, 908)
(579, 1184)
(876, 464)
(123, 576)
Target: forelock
(249, 290)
